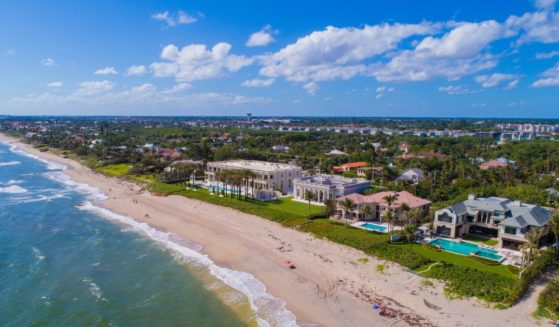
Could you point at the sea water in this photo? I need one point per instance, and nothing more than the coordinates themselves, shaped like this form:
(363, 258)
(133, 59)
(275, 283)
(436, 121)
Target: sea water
(66, 261)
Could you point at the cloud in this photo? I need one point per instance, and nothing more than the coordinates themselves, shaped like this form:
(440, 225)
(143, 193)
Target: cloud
(381, 90)
(540, 26)
(547, 55)
(337, 53)
(55, 85)
(311, 87)
(136, 70)
(550, 77)
(457, 53)
(181, 87)
(258, 82)
(196, 62)
(261, 38)
(545, 4)
(493, 80)
(48, 62)
(95, 87)
(106, 71)
(179, 18)
(9, 52)
(455, 90)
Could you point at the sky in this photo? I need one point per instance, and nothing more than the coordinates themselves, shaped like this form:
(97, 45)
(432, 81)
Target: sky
(394, 58)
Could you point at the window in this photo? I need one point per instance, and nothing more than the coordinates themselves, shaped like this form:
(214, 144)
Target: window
(444, 218)
(510, 230)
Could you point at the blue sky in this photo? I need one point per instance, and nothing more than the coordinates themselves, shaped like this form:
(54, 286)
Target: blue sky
(369, 58)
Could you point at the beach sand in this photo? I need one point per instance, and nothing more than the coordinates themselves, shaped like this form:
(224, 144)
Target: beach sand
(329, 287)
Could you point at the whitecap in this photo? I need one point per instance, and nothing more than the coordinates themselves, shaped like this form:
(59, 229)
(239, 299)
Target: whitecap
(270, 310)
(94, 289)
(12, 182)
(38, 254)
(9, 163)
(93, 193)
(13, 189)
(50, 164)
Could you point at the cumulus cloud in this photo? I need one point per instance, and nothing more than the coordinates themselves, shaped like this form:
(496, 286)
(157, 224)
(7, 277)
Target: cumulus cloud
(179, 18)
(549, 78)
(455, 89)
(545, 4)
(337, 53)
(258, 82)
(95, 87)
(48, 62)
(106, 71)
(136, 70)
(196, 62)
(540, 26)
(311, 87)
(261, 38)
(493, 80)
(55, 85)
(180, 87)
(457, 53)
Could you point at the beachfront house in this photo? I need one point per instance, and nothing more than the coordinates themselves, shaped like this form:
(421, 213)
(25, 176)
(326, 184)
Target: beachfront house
(379, 206)
(327, 187)
(411, 176)
(349, 166)
(506, 220)
(269, 176)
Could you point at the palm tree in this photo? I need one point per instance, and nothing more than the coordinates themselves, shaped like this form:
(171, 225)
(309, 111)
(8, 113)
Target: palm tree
(309, 196)
(408, 234)
(365, 211)
(248, 175)
(348, 205)
(554, 228)
(405, 209)
(531, 246)
(387, 218)
(329, 207)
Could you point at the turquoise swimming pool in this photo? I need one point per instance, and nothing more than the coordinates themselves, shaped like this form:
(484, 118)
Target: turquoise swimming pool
(374, 227)
(467, 248)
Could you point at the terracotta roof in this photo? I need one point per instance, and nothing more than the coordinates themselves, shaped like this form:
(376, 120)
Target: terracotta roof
(351, 165)
(492, 164)
(378, 198)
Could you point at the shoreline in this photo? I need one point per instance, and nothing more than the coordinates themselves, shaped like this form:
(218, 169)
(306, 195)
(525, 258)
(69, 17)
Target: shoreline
(329, 287)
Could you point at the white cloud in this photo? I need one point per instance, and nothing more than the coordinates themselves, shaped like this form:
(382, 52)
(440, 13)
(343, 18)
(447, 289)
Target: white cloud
(261, 38)
(337, 53)
(545, 4)
(55, 85)
(457, 53)
(196, 62)
(455, 89)
(180, 18)
(258, 82)
(381, 90)
(493, 80)
(311, 87)
(144, 88)
(136, 70)
(181, 87)
(540, 26)
(550, 77)
(95, 87)
(106, 71)
(48, 62)
(547, 55)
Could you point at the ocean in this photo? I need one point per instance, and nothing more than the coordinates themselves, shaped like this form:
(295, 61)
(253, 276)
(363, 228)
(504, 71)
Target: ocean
(66, 262)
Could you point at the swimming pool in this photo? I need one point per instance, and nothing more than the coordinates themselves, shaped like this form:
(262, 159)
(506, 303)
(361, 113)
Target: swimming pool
(467, 248)
(374, 227)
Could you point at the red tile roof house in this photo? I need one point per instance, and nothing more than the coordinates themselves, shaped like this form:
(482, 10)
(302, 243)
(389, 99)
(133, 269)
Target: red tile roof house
(349, 166)
(168, 153)
(493, 164)
(379, 206)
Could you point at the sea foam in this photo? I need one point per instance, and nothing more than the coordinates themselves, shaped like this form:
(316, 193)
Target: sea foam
(13, 189)
(270, 311)
(9, 163)
(50, 164)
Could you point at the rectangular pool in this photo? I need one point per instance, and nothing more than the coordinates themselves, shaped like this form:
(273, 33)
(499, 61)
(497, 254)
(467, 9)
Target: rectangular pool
(467, 248)
(374, 227)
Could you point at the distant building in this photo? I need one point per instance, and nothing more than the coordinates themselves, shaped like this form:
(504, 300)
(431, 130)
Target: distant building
(404, 147)
(270, 176)
(504, 219)
(411, 176)
(497, 163)
(423, 155)
(282, 148)
(327, 187)
(379, 206)
(337, 153)
(349, 166)
(376, 172)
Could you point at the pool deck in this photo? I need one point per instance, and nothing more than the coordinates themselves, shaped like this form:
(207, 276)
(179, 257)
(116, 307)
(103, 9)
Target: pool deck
(500, 252)
(360, 224)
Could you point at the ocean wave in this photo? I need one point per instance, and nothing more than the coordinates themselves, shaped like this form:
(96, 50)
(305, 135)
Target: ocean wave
(40, 198)
(12, 182)
(50, 164)
(270, 311)
(94, 289)
(13, 189)
(9, 163)
(93, 193)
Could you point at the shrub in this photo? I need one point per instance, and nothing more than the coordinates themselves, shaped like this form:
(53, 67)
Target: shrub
(513, 269)
(483, 260)
(548, 300)
(533, 271)
(430, 247)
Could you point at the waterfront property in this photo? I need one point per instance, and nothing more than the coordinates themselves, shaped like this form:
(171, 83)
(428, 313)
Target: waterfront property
(467, 248)
(411, 176)
(379, 206)
(268, 176)
(492, 217)
(327, 187)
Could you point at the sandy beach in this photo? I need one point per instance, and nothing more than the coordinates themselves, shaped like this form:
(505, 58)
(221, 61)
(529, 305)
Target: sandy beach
(329, 287)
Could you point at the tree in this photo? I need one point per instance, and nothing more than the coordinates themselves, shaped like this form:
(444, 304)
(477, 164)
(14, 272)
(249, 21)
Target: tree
(366, 211)
(387, 218)
(554, 228)
(408, 234)
(309, 196)
(348, 206)
(530, 248)
(329, 207)
(405, 210)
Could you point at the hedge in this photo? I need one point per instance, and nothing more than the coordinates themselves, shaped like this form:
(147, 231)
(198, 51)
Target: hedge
(548, 300)
(430, 247)
(533, 271)
(483, 260)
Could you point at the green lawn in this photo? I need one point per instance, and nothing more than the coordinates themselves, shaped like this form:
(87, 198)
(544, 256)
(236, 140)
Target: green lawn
(116, 170)
(477, 239)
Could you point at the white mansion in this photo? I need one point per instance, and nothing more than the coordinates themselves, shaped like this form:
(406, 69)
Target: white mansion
(328, 187)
